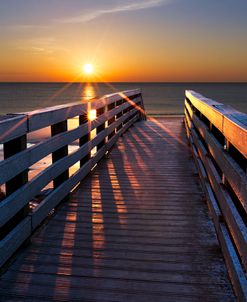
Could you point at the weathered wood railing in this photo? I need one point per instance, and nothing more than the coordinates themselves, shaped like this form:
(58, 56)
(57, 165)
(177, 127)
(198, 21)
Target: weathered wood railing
(218, 137)
(114, 115)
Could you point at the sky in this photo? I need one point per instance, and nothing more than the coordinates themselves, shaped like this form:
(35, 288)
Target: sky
(131, 40)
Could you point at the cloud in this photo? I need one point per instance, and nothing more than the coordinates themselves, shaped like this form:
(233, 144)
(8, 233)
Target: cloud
(22, 27)
(42, 45)
(134, 6)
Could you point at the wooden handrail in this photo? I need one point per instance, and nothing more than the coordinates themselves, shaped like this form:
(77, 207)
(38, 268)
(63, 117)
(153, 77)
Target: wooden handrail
(230, 122)
(17, 222)
(218, 137)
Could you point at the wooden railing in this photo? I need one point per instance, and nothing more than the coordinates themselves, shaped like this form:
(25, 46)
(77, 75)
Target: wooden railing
(218, 137)
(114, 115)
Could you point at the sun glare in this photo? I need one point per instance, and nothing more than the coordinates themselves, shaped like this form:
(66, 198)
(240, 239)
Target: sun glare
(88, 68)
(92, 115)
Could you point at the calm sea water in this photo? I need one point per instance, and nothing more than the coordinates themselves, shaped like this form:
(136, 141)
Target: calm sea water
(159, 98)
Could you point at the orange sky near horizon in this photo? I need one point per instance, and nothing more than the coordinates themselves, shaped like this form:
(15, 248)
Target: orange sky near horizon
(149, 40)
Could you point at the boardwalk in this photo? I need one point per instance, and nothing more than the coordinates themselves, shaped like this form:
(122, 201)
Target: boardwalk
(137, 229)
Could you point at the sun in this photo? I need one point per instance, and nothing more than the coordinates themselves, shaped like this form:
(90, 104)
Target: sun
(88, 68)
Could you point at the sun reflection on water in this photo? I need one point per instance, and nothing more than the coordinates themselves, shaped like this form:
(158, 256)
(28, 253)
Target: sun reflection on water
(88, 92)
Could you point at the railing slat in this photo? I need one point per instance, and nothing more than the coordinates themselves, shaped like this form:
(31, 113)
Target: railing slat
(223, 118)
(21, 193)
(218, 137)
(234, 174)
(23, 160)
(234, 266)
(53, 199)
(14, 239)
(12, 204)
(12, 126)
(45, 117)
(230, 213)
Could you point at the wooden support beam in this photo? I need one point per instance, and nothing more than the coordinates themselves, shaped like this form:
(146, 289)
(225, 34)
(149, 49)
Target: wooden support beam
(143, 113)
(60, 153)
(100, 128)
(83, 119)
(11, 148)
(111, 120)
(118, 103)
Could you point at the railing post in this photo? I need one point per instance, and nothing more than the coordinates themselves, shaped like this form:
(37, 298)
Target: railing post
(210, 127)
(100, 128)
(119, 103)
(83, 119)
(11, 148)
(111, 120)
(60, 153)
(226, 149)
(123, 112)
(140, 104)
(143, 114)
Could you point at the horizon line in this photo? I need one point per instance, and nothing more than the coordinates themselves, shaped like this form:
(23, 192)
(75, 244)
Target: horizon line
(123, 82)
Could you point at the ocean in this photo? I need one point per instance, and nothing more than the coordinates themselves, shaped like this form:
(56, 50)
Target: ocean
(159, 98)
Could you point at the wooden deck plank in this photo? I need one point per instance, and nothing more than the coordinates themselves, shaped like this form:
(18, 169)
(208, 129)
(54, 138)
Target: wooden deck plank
(137, 229)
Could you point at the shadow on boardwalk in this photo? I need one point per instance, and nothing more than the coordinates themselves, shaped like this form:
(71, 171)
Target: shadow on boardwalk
(137, 229)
